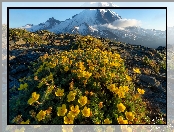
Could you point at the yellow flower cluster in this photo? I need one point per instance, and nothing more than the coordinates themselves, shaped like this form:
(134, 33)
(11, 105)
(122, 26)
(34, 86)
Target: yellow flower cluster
(107, 121)
(121, 120)
(96, 68)
(119, 91)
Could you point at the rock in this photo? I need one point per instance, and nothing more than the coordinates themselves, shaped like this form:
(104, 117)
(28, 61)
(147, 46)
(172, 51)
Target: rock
(152, 82)
(20, 68)
(148, 79)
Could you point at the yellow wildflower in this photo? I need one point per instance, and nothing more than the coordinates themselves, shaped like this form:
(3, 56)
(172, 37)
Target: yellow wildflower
(87, 74)
(86, 112)
(62, 110)
(107, 121)
(121, 107)
(111, 87)
(25, 122)
(74, 110)
(124, 88)
(129, 115)
(82, 100)
(41, 115)
(140, 91)
(121, 94)
(34, 98)
(71, 96)
(128, 78)
(59, 92)
(91, 68)
(66, 68)
(69, 119)
(121, 121)
(136, 70)
(105, 61)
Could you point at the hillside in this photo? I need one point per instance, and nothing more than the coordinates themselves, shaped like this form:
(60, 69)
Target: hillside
(25, 60)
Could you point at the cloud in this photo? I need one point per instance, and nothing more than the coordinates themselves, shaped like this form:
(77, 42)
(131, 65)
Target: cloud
(123, 23)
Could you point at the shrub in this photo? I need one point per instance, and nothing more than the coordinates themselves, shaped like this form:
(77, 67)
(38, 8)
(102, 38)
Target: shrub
(87, 85)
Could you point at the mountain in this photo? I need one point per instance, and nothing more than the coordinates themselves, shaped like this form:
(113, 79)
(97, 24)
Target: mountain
(83, 23)
(101, 23)
(50, 23)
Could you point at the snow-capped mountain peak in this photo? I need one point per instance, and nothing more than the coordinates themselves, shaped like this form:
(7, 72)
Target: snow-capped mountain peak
(104, 23)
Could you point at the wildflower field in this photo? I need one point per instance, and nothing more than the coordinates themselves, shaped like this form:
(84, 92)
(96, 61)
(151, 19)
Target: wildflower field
(88, 84)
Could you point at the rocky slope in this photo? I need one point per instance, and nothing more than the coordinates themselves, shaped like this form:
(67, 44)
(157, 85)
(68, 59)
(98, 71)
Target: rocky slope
(152, 63)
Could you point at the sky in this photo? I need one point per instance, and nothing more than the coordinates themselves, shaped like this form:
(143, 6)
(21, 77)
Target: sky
(146, 18)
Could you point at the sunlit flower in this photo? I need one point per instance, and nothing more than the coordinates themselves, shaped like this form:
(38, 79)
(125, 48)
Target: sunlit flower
(121, 107)
(124, 88)
(87, 74)
(111, 87)
(25, 122)
(129, 115)
(121, 121)
(74, 110)
(59, 92)
(121, 94)
(86, 112)
(41, 115)
(107, 121)
(136, 70)
(69, 119)
(82, 100)
(34, 98)
(140, 91)
(62, 110)
(128, 78)
(71, 96)
(66, 68)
